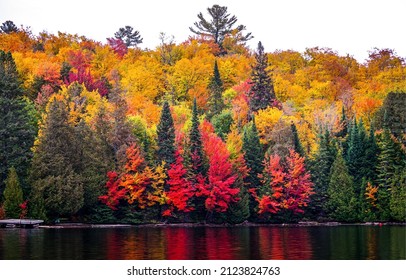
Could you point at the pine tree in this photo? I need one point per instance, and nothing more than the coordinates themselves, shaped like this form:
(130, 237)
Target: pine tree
(166, 137)
(344, 125)
(17, 123)
(262, 93)
(342, 201)
(215, 87)
(296, 141)
(371, 156)
(321, 167)
(13, 195)
(195, 140)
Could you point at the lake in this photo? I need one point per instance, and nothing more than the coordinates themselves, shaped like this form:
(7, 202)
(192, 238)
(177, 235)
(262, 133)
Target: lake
(349, 242)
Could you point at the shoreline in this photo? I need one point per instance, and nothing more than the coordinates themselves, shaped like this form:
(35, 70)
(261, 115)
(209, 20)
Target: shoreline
(194, 225)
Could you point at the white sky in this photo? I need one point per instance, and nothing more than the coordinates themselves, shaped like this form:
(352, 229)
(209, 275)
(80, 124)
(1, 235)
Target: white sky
(347, 26)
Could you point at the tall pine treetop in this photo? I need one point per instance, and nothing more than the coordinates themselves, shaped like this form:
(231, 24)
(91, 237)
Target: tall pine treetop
(262, 93)
(196, 148)
(10, 83)
(216, 103)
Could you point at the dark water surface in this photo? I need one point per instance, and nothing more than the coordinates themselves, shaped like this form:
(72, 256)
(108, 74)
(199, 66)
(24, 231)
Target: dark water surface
(267, 242)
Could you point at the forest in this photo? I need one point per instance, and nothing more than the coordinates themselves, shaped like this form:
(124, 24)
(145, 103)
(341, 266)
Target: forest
(203, 131)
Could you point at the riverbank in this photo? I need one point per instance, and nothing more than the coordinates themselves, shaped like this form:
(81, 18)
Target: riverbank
(245, 224)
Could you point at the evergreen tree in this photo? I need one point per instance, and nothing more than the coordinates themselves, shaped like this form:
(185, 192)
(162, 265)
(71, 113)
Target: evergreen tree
(371, 156)
(195, 143)
(296, 141)
(8, 27)
(56, 164)
(344, 125)
(216, 103)
(17, 123)
(342, 201)
(262, 93)
(253, 156)
(129, 36)
(239, 211)
(220, 25)
(13, 195)
(321, 167)
(166, 137)
(222, 123)
(397, 201)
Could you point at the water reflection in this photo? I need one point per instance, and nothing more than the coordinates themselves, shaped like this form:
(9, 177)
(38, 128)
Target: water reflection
(216, 243)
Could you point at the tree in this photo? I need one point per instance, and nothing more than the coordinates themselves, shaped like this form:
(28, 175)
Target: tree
(222, 123)
(115, 192)
(219, 26)
(262, 93)
(8, 27)
(296, 141)
(342, 201)
(129, 36)
(166, 137)
(321, 173)
(56, 164)
(13, 195)
(397, 201)
(180, 189)
(17, 123)
(195, 144)
(215, 87)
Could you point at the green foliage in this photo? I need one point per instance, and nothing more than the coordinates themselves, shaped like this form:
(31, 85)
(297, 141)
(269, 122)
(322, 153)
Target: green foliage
(222, 123)
(239, 211)
(166, 137)
(321, 173)
(262, 93)
(397, 201)
(13, 195)
(10, 82)
(216, 103)
(296, 141)
(253, 154)
(195, 143)
(342, 201)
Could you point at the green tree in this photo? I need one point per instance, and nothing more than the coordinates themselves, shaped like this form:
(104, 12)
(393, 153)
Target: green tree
(371, 156)
(296, 141)
(262, 93)
(129, 36)
(342, 201)
(397, 201)
(56, 164)
(253, 156)
(195, 143)
(222, 123)
(17, 123)
(13, 195)
(8, 27)
(166, 137)
(321, 172)
(215, 87)
(219, 25)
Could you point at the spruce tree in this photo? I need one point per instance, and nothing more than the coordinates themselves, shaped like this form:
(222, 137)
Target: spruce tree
(320, 170)
(262, 93)
(13, 195)
(254, 156)
(342, 200)
(195, 143)
(17, 123)
(371, 156)
(296, 141)
(215, 87)
(397, 201)
(166, 137)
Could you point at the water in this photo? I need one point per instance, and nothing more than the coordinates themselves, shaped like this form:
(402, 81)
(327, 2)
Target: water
(267, 242)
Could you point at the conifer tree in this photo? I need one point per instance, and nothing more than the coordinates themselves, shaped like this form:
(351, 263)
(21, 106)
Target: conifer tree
(166, 137)
(13, 195)
(262, 93)
(216, 103)
(296, 141)
(371, 156)
(195, 143)
(342, 201)
(321, 167)
(397, 201)
(17, 123)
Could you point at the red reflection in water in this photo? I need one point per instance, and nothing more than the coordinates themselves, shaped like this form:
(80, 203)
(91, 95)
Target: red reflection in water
(113, 251)
(280, 243)
(177, 243)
